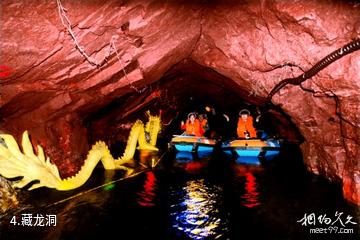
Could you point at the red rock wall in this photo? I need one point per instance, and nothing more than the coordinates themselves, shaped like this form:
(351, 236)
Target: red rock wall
(52, 88)
(251, 43)
(51, 80)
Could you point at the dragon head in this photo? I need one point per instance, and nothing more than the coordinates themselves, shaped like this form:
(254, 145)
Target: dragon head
(153, 127)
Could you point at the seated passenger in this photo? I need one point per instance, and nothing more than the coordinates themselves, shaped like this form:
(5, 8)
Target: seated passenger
(245, 127)
(218, 123)
(203, 122)
(192, 126)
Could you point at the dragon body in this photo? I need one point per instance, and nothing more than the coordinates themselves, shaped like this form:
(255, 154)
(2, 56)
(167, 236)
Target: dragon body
(30, 166)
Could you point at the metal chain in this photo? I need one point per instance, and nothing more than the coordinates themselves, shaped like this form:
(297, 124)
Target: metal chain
(67, 24)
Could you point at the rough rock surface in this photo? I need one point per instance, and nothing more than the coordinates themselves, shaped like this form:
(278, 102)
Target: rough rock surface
(8, 197)
(52, 87)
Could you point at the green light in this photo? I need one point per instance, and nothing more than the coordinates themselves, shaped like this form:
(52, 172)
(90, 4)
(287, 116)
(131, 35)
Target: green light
(109, 187)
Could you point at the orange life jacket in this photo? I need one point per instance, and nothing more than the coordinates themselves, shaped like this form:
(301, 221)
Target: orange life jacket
(246, 126)
(193, 128)
(204, 124)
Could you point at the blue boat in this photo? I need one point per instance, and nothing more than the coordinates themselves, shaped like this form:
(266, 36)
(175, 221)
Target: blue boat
(189, 143)
(252, 150)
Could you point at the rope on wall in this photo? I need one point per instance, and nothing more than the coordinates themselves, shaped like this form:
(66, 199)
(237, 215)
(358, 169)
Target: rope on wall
(112, 47)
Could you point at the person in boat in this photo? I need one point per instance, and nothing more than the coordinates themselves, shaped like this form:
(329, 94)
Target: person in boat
(218, 124)
(245, 127)
(203, 122)
(192, 126)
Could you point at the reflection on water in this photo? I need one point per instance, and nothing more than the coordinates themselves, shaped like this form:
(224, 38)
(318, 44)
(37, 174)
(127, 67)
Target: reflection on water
(192, 156)
(248, 160)
(147, 195)
(197, 210)
(251, 196)
(184, 156)
(148, 159)
(194, 167)
(198, 199)
(247, 173)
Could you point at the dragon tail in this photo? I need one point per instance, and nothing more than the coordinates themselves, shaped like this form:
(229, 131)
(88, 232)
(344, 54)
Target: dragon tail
(25, 164)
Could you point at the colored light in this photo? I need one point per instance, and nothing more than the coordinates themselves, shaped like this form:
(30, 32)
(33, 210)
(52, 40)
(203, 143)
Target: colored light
(147, 196)
(109, 187)
(194, 166)
(251, 197)
(195, 214)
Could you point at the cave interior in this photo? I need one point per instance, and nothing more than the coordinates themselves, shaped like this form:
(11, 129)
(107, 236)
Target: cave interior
(76, 72)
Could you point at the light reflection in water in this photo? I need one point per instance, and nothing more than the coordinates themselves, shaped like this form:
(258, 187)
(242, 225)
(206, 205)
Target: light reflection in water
(148, 159)
(194, 167)
(183, 157)
(251, 196)
(197, 212)
(147, 195)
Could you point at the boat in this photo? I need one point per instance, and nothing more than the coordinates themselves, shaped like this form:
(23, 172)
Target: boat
(251, 151)
(190, 143)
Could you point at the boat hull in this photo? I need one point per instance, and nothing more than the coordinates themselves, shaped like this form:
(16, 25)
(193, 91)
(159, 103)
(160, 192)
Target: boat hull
(252, 150)
(183, 143)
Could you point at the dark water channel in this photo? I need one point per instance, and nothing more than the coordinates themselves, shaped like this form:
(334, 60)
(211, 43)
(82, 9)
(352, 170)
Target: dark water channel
(208, 198)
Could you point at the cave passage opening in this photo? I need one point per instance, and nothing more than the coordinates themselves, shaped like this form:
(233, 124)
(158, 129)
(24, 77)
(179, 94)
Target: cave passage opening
(186, 87)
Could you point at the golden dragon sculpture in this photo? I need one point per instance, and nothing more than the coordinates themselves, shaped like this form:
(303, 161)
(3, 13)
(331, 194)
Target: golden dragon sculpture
(30, 166)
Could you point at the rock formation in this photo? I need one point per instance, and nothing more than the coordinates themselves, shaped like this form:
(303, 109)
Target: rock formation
(64, 62)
